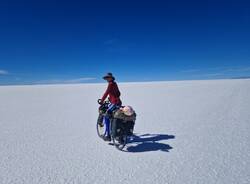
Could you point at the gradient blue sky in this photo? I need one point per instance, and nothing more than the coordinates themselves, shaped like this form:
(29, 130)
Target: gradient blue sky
(78, 41)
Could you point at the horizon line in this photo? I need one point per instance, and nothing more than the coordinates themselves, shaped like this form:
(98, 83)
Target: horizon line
(123, 82)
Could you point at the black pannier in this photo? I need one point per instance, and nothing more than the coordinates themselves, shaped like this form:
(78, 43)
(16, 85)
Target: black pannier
(122, 124)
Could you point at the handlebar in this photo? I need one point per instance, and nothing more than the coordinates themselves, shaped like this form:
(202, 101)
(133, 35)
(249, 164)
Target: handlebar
(99, 101)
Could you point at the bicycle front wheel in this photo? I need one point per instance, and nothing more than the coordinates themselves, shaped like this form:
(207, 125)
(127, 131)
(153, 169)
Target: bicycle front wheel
(100, 127)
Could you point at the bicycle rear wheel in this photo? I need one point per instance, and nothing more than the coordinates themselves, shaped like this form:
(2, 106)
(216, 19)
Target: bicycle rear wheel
(120, 142)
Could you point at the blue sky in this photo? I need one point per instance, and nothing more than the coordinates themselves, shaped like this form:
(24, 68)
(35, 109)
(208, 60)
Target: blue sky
(79, 41)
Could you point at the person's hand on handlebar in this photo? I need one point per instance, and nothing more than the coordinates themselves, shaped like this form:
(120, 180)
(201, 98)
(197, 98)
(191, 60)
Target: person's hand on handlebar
(99, 101)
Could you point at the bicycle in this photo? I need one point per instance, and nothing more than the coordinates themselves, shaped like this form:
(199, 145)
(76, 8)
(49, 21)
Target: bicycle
(120, 130)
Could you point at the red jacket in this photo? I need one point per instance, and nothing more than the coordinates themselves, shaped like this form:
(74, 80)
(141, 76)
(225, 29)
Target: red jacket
(113, 93)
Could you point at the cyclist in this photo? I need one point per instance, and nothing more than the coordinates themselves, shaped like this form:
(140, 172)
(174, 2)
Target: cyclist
(114, 94)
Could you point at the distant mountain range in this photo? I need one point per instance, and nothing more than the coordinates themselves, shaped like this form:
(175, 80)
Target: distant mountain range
(243, 77)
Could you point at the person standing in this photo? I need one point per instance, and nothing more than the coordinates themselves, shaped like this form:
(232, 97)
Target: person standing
(114, 94)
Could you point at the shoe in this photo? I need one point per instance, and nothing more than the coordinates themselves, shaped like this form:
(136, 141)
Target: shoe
(107, 138)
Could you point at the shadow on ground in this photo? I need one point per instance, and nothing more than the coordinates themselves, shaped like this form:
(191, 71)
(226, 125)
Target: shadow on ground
(149, 142)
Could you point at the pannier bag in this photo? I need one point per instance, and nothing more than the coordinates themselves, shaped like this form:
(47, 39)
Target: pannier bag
(123, 121)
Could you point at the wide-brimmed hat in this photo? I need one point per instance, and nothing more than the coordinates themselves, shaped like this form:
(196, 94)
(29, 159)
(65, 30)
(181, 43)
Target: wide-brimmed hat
(109, 75)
